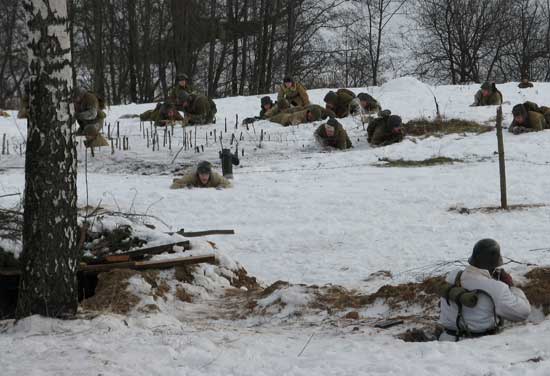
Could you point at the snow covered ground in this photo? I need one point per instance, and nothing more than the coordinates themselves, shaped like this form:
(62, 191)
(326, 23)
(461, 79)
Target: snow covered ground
(312, 217)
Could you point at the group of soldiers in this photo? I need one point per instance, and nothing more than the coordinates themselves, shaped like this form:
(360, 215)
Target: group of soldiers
(198, 109)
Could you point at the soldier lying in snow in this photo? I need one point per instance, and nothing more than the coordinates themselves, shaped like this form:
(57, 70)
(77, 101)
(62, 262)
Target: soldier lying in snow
(202, 177)
(268, 109)
(488, 95)
(90, 117)
(386, 129)
(528, 118)
(495, 297)
(199, 109)
(300, 115)
(333, 135)
(342, 103)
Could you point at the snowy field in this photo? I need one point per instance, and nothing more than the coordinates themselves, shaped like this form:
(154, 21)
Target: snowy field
(307, 216)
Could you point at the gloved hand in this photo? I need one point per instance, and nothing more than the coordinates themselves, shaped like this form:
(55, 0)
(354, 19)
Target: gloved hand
(518, 130)
(505, 277)
(185, 121)
(384, 113)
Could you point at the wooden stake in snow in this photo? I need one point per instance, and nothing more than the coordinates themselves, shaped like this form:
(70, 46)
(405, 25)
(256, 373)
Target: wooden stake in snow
(4, 144)
(501, 161)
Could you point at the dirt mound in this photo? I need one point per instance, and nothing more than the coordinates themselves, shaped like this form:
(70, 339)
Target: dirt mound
(425, 127)
(435, 161)
(537, 288)
(244, 280)
(111, 293)
(423, 293)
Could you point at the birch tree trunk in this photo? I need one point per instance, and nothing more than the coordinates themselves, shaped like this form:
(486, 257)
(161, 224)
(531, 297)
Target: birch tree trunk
(50, 258)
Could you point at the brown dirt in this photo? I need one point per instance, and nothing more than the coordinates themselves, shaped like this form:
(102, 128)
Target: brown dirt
(435, 161)
(183, 295)
(4, 114)
(495, 209)
(185, 273)
(537, 289)
(426, 334)
(425, 127)
(111, 294)
(423, 293)
(244, 280)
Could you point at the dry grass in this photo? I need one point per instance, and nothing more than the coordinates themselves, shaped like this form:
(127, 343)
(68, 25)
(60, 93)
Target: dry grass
(537, 288)
(425, 127)
(111, 293)
(494, 209)
(435, 161)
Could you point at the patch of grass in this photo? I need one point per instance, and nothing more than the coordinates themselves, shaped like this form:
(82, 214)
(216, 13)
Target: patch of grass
(494, 209)
(537, 289)
(439, 127)
(435, 161)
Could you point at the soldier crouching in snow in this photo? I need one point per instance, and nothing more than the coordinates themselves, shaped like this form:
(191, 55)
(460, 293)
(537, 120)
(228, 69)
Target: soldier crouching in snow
(527, 119)
(493, 296)
(90, 117)
(202, 177)
(488, 95)
(333, 135)
(386, 129)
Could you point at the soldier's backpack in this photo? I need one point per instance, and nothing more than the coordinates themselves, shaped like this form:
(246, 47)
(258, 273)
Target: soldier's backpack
(464, 298)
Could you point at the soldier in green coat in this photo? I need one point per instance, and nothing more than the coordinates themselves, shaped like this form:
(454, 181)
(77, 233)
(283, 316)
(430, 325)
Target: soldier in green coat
(292, 94)
(526, 121)
(368, 104)
(182, 84)
(199, 109)
(202, 177)
(302, 115)
(332, 134)
(488, 95)
(342, 103)
(386, 129)
(90, 117)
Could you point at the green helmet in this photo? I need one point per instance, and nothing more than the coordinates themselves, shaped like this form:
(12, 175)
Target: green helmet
(182, 77)
(331, 97)
(519, 110)
(204, 167)
(486, 255)
(487, 86)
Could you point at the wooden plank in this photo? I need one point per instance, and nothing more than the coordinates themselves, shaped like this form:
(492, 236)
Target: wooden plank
(10, 272)
(139, 254)
(98, 268)
(117, 258)
(193, 234)
(164, 264)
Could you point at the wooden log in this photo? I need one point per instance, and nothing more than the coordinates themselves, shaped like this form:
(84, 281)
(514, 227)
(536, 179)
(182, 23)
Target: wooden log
(144, 265)
(165, 248)
(501, 161)
(194, 234)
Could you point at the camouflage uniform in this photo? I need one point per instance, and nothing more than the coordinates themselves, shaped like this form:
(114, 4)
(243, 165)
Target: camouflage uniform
(493, 99)
(192, 181)
(200, 110)
(294, 96)
(340, 140)
(163, 113)
(90, 117)
(532, 121)
(385, 130)
(341, 103)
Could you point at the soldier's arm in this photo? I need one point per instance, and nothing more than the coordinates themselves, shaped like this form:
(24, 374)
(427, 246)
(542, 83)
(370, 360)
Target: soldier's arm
(342, 140)
(303, 94)
(511, 303)
(280, 94)
(185, 182)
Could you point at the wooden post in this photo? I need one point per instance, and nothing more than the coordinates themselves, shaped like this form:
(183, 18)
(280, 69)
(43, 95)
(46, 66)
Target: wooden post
(236, 121)
(501, 161)
(164, 137)
(147, 138)
(215, 138)
(4, 144)
(169, 141)
(225, 125)
(113, 145)
(108, 130)
(118, 129)
(196, 135)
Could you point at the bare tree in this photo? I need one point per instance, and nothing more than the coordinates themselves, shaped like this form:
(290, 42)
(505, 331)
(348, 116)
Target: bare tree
(48, 284)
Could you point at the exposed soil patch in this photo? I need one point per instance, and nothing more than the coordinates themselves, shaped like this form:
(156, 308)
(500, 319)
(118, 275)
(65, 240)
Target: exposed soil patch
(494, 209)
(244, 280)
(111, 293)
(440, 127)
(537, 288)
(435, 161)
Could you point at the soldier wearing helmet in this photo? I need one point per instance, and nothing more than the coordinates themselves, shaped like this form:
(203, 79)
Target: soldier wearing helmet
(386, 129)
(497, 298)
(488, 95)
(202, 177)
